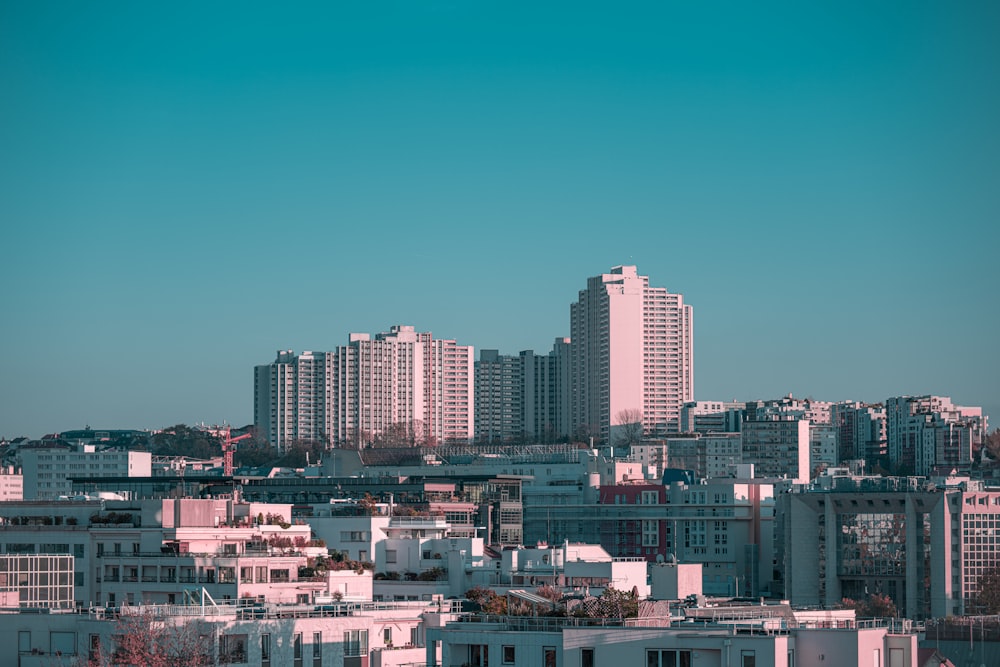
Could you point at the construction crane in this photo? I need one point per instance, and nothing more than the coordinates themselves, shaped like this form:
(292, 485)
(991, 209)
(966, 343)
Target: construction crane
(228, 447)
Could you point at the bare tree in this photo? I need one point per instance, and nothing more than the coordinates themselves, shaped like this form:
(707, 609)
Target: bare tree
(628, 427)
(143, 638)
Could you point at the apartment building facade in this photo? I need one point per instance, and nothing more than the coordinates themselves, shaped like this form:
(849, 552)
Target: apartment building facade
(522, 398)
(928, 432)
(292, 398)
(48, 471)
(632, 355)
(401, 384)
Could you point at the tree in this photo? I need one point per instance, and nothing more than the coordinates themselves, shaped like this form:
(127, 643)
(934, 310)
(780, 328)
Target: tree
(876, 606)
(991, 444)
(488, 600)
(988, 592)
(182, 440)
(628, 427)
(614, 603)
(142, 638)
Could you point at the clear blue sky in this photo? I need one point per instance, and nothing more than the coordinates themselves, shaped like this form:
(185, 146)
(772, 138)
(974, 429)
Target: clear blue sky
(187, 187)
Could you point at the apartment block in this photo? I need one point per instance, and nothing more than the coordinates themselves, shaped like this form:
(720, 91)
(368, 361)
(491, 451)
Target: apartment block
(292, 398)
(11, 484)
(861, 431)
(712, 416)
(632, 356)
(48, 471)
(522, 398)
(778, 446)
(928, 432)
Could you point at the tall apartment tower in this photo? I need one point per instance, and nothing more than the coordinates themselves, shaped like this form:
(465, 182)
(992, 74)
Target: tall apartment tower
(519, 398)
(403, 380)
(292, 398)
(631, 355)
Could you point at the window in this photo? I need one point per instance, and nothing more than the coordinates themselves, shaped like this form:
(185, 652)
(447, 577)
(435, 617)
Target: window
(297, 650)
(549, 656)
(24, 641)
(233, 649)
(586, 657)
(387, 636)
(390, 555)
(479, 655)
(668, 658)
(317, 649)
(748, 659)
(355, 642)
(265, 650)
(508, 655)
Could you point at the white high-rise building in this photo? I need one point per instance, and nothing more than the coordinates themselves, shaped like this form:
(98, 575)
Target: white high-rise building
(402, 387)
(631, 355)
(406, 384)
(292, 398)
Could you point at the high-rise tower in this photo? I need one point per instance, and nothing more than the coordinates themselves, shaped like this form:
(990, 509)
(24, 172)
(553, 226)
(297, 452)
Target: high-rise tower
(631, 356)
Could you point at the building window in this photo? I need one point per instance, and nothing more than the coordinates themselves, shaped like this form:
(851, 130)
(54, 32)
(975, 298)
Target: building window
(479, 655)
(297, 650)
(265, 650)
(390, 555)
(508, 655)
(317, 649)
(233, 649)
(586, 657)
(748, 659)
(548, 656)
(668, 658)
(355, 643)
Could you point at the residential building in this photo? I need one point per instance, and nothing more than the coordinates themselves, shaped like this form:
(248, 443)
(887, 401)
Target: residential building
(777, 445)
(11, 484)
(521, 398)
(726, 525)
(386, 634)
(861, 431)
(632, 356)
(735, 636)
(823, 450)
(712, 416)
(401, 385)
(928, 432)
(48, 471)
(292, 398)
(403, 381)
(707, 454)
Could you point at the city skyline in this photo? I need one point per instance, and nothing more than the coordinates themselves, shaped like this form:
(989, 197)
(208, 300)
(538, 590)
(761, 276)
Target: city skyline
(186, 190)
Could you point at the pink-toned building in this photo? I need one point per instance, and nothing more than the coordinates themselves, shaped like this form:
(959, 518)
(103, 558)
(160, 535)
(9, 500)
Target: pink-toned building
(631, 355)
(403, 380)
